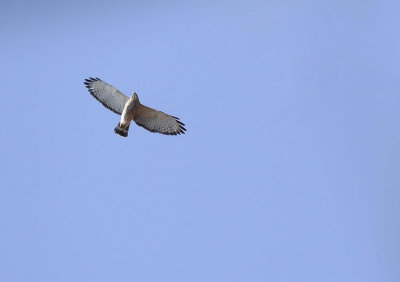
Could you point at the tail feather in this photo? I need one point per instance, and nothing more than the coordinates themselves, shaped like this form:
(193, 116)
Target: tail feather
(121, 131)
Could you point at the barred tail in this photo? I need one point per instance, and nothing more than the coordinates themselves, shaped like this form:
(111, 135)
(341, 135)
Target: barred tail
(121, 131)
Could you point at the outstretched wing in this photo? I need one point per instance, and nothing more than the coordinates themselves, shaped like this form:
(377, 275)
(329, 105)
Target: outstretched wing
(156, 121)
(106, 94)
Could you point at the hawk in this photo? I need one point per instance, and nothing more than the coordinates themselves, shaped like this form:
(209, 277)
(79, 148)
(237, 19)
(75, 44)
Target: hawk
(131, 109)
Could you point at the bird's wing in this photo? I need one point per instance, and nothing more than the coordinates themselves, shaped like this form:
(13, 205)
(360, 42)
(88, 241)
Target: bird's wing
(156, 121)
(106, 94)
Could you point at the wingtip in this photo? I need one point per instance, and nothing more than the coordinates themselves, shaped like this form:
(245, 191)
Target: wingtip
(91, 79)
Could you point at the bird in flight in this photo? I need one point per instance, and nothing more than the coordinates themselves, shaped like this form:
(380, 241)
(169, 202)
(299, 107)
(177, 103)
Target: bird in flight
(131, 109)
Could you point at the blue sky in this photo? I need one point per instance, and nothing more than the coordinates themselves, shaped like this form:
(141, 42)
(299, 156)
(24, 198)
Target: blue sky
(289, 170)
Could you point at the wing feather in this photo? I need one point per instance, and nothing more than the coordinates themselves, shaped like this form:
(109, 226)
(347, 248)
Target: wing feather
(156, 121)
(109, 96)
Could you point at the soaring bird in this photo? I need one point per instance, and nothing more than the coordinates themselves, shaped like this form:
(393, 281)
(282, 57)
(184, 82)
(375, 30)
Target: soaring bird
(131, 109)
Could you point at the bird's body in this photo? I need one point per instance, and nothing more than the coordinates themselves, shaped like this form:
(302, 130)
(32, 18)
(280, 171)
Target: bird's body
(128, 114)
(131, 109)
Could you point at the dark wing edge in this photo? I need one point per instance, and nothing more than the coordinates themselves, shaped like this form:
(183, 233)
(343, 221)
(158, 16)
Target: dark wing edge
(182, 128)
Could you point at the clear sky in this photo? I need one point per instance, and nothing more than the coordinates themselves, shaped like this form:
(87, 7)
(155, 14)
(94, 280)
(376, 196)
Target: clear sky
(289, 170)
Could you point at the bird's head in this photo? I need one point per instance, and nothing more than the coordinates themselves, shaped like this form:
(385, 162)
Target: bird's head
(134, 96)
